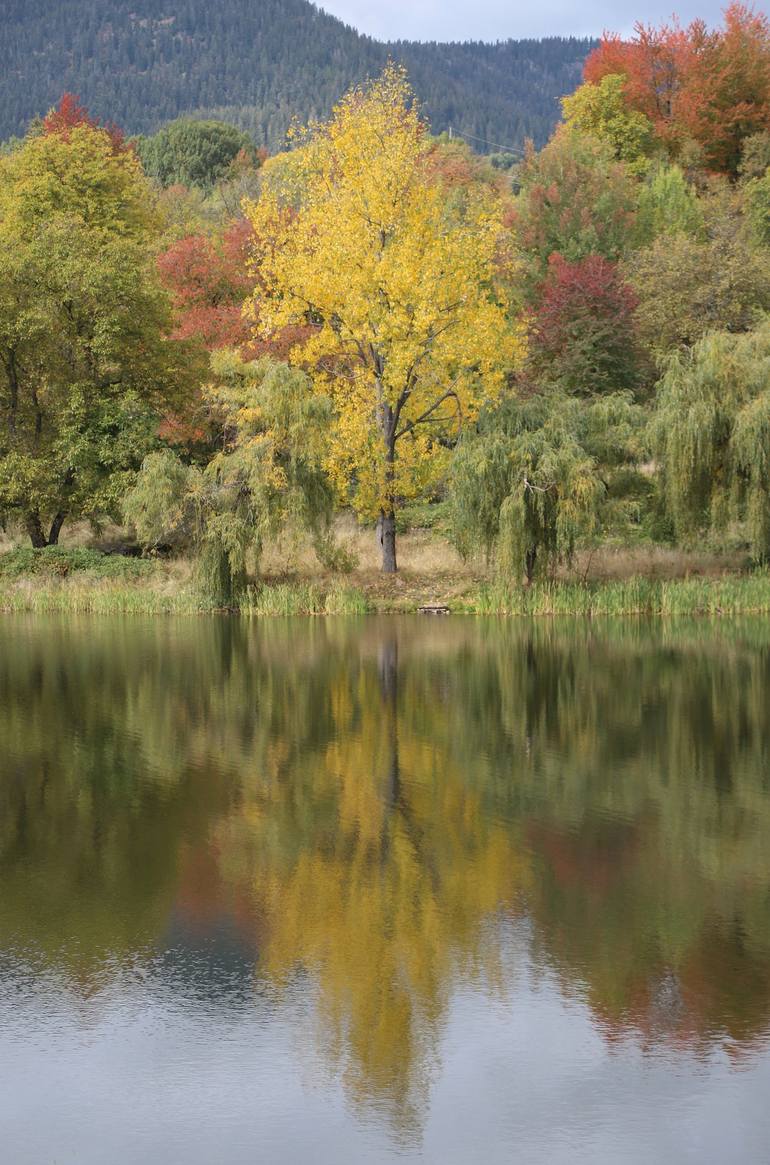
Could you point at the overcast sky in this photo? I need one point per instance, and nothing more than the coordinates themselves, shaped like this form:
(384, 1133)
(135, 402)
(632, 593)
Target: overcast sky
(500, 19)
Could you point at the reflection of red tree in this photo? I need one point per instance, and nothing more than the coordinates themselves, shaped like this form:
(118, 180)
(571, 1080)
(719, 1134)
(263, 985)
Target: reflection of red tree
(597, 930)
(726, 987)
(204, 896)
(594, 861)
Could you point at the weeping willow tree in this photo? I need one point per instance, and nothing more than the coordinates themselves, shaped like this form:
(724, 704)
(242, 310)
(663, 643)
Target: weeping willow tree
(541, 477)
(267, 478)
(712, 438)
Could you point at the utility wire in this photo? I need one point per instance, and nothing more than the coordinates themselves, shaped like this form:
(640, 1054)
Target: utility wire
(517, 150)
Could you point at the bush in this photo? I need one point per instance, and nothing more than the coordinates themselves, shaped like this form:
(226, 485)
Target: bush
(58, 562)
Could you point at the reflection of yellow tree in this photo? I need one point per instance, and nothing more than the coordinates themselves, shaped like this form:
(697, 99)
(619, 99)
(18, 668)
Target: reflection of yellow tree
(376, 873)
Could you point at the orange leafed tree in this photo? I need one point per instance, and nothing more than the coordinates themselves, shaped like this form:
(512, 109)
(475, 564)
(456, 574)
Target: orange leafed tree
(710, 86)
(69, 113)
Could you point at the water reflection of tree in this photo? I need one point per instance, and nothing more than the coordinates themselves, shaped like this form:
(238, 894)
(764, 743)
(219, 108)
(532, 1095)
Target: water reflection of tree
(640, 761)
(376, 866)
(364, 799)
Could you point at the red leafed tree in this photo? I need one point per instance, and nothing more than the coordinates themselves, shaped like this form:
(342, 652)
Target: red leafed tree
(726, 95)
(208, 279)
(711, 86)
(653, 64)
(582, 335)
(69, 113)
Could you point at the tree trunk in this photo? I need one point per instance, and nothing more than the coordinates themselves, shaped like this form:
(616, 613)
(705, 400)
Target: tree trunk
(56, 525)
(531, 562)
(386, 533)
(35, 530)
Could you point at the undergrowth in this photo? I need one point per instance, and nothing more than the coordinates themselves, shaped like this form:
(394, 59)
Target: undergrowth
(61, 562)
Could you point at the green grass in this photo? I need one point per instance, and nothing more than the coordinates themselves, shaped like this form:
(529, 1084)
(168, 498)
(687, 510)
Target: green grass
(284, 599)
(96, 598)
(729, 595)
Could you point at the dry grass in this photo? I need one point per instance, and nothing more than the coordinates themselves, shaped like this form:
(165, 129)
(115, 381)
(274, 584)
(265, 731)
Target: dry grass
(650, 561)
(431, 572)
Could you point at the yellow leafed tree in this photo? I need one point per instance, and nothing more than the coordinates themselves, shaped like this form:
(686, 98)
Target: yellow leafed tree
(410, 334)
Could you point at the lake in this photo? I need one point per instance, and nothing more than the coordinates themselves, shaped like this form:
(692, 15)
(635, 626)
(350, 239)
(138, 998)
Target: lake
(409, 889)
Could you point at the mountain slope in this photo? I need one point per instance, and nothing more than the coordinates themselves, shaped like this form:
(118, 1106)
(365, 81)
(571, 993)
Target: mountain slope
(260, 63)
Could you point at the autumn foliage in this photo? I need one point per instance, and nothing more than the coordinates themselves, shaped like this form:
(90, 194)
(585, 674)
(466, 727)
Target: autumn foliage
(208, 280)
(69, 113)
(711, 87)
(583, 332)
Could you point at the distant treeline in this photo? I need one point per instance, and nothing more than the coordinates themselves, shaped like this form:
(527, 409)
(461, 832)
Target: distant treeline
(260, 64)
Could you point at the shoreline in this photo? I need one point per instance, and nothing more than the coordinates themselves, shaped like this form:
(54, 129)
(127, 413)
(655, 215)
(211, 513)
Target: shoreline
(726, 595)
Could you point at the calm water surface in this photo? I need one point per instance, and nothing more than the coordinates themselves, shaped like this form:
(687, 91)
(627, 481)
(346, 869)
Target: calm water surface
(443, 891)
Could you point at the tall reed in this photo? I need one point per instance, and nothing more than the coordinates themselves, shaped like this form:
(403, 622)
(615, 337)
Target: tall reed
(729, 595)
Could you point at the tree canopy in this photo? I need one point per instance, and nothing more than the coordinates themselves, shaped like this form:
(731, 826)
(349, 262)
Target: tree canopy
(86, 366)
(712, 431)
(192, 153)
(711, 87)
(267, 476)
(409, 334)
(541, 477)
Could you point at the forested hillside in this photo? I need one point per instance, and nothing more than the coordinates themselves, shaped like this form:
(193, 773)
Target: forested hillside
(260, 63)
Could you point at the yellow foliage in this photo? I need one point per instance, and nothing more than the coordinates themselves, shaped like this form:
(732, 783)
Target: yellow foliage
(79, 176)
(411, 335)
(383, 906)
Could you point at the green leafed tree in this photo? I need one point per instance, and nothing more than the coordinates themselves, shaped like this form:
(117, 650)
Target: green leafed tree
(689, 285)
(541, 477)
(757, 195)
(712, 438)
(668, 205)
(86, 367)
(602, 110)
(188, 152)
(267, 479)
(576, 200)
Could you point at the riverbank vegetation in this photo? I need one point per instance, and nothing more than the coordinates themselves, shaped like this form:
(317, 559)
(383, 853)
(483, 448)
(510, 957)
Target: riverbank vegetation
(80, 580)
(241, 360)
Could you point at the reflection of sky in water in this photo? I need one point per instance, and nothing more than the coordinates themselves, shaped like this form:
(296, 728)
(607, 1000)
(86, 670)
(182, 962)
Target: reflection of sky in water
(187, 1057)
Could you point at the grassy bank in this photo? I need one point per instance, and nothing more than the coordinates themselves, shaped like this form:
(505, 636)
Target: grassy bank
(82, 581)
(727, 595)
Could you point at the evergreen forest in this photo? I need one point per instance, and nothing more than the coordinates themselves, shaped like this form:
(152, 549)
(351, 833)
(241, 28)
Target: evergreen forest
(260, 64)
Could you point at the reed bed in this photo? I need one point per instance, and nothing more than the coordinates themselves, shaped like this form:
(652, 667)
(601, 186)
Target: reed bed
(86, 597)
(728, 595)
(159, 591)
(284, 599)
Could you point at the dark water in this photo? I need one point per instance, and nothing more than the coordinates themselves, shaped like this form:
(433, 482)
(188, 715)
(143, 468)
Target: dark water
(444, 891)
